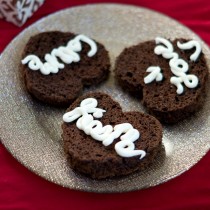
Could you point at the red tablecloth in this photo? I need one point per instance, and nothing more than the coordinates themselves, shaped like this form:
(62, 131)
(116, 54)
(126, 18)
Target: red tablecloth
(21, 189)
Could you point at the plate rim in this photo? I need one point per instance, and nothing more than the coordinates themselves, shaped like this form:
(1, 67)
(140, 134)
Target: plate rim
(69, 9)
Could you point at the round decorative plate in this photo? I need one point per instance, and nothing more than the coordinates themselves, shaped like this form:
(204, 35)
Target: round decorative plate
(31, 131)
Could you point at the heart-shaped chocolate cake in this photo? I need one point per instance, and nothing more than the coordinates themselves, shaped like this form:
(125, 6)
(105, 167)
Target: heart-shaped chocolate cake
(103, 141)
(56, 66)
(170, 77)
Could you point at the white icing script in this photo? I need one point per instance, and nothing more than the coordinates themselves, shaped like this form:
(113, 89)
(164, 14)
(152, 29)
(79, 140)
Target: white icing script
(155, 74)
(67, 54)
(178, 66)
(190, 45)
(106, 134)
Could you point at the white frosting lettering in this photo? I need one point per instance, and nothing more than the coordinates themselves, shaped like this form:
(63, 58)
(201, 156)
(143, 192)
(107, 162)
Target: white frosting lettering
(178, 66)
(127, 149)
(66, 54)
(189, 45)
(165, 50)
(155, 74)
(118, 131)
(87, 106)
(190, 80)
(106, 134)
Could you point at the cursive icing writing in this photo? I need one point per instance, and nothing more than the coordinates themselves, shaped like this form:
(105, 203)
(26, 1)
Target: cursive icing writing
(155, 74)
(106, 134)
(67, 54)
(178, 66)
(190, 45)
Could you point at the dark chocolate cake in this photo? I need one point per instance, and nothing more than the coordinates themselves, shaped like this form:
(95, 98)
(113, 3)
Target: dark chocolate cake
(91, 157)
(160, 98)
(62, 88)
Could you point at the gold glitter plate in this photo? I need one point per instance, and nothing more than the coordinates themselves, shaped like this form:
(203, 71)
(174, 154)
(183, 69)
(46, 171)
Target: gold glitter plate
(31, 131)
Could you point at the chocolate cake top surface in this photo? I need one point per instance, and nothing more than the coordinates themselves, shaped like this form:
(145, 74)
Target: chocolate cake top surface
(63, 87)
(83, 149)
(160, 96)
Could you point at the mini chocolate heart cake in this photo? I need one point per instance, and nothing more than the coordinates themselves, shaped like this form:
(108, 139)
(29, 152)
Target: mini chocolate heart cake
(170, 77)
(56, 66)
(101, 141)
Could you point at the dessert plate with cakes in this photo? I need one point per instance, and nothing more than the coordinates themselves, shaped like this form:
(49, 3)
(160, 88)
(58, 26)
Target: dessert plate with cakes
(104, 103)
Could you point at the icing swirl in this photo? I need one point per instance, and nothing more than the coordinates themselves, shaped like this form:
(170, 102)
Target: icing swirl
(66, 54)
(178, 66)
(155, 74)
(86, 106)
(106, 134)
(189, 45)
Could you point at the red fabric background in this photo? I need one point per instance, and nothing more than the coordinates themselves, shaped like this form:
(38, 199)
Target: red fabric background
(21, 189)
